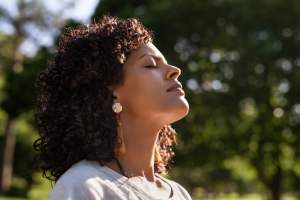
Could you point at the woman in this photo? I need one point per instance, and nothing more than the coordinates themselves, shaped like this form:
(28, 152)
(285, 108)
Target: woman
(104, 110)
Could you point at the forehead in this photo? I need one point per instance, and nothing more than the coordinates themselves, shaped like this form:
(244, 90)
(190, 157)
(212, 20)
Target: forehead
(144, 49)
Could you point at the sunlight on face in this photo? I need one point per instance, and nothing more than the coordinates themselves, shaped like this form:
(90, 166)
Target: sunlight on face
(144, 92)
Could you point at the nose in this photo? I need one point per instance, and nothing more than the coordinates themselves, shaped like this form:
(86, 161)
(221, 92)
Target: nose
(173, 72)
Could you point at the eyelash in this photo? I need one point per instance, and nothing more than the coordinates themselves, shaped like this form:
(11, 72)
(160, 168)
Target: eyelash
(151, 66)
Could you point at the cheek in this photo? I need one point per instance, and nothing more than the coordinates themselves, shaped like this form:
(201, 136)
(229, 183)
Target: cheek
(145, 92)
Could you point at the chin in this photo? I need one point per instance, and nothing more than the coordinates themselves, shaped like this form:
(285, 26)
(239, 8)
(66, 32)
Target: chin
(185, 112)
(184, 108)
(179, 113)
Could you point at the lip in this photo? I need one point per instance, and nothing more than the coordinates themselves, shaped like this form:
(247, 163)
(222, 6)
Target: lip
(178, 91)
(175, 87)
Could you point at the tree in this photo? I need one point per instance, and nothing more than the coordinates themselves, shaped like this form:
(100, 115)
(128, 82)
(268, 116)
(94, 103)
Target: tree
(18, 84)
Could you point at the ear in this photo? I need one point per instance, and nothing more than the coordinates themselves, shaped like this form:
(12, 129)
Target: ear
(115, 91)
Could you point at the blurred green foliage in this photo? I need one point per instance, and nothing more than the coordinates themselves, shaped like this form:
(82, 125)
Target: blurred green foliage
(240, 63)
(241, 70)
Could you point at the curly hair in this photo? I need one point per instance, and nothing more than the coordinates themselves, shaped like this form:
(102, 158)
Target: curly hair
(73, 113)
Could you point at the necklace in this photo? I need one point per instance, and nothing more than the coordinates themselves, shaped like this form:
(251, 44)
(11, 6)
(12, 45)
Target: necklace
(120, 167)
(123, 173)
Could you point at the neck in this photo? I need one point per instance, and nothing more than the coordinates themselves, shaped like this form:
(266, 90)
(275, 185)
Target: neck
(140, 137)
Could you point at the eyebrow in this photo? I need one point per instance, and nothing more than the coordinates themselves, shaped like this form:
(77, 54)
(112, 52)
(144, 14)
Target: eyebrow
(153, 56)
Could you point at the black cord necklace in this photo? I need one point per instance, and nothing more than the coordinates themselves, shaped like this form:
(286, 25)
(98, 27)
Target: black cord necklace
(123, 173)
(120, 167)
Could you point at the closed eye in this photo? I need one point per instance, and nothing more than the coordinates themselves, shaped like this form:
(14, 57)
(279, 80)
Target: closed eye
(151, 66)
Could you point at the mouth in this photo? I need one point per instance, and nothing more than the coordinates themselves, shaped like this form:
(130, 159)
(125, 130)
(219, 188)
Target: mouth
(176, 87)
(178, 91)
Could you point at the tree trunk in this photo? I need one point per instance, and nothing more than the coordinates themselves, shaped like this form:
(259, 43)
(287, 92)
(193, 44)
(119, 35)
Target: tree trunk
(275, 184)
(8, 155)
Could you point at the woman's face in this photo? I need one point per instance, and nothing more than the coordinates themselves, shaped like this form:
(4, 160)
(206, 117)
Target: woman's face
(147, 77)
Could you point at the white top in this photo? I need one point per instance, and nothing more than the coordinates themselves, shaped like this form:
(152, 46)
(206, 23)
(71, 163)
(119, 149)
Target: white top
(88, 180)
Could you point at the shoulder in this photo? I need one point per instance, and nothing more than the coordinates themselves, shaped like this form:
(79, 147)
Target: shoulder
(182, 190)
(178, 189)
(84, 180)
(81, 172)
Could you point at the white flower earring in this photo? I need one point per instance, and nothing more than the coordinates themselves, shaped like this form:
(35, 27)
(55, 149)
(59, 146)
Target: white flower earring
(117, 107)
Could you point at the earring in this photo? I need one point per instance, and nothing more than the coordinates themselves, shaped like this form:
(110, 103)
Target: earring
(117, 107)
(120, 149)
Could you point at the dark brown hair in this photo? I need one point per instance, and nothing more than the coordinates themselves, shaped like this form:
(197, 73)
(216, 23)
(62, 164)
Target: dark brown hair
(73, 114)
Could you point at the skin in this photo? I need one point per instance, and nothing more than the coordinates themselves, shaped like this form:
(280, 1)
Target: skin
(147, 107)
